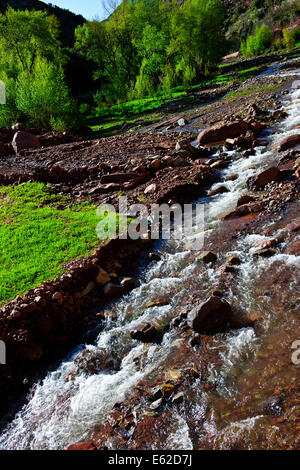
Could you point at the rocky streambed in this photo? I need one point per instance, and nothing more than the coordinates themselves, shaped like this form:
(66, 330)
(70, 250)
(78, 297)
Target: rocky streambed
(198, 354)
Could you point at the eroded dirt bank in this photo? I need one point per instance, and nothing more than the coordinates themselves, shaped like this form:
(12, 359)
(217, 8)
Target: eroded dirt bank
(186, 385)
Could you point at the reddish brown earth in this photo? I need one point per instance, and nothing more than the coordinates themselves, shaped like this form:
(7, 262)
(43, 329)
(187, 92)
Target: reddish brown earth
(99, 171)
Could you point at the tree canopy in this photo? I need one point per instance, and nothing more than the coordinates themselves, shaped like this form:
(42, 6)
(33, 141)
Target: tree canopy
(147, 44)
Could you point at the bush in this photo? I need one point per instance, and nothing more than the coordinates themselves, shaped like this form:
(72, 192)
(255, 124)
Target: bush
(288, 40)
(85, 109)
(259, 43)
(44, 99)
(278, 45)
(9, 114)
(295, 33)
(144, 85)
(169, 80)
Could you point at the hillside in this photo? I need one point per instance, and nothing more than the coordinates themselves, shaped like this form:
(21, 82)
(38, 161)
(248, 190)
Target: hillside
(68, 20)
(242, 15)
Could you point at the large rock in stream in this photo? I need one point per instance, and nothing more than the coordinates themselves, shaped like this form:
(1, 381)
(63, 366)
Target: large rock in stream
(289, 142)
(144, 332)
(262, 179)
(221, 132)
(209, 315)
(93, 361)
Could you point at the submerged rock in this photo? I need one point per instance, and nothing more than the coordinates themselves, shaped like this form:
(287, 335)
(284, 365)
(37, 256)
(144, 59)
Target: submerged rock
(209, 315)
(144, 332)
(207, 257)
(92, 361)
(272, 406)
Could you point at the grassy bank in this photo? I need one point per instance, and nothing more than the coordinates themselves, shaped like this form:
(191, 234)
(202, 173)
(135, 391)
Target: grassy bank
(38, 233)
(105, 121)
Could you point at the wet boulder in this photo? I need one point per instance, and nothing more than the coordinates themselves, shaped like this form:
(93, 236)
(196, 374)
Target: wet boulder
(4, 137)
(245, 199)
(102, 277)
(245, 209)
(221, 132)
(113, 290)
(19, 126)
(265, 253)
(233, 260)
(144, 332)
(262, 179)
(93, 361)
(82, 446)
(218, 190)
(289, 142)
(3, 150)
(209, 315)
(271, 243)
(207, 257)
(24, 140)
(128, 283)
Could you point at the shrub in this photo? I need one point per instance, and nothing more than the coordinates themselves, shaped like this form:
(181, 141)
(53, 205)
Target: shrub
(278, 45)
(295, 33)
(259, 43)
(288, 39)
(9, 113)
(44, 99)
(144, 85)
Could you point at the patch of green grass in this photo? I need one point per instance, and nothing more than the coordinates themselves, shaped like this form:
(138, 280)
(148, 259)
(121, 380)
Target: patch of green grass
(220, 66)
(36, 237)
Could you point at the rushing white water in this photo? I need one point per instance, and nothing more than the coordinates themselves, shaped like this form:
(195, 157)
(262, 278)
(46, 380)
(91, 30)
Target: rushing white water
(61, 411)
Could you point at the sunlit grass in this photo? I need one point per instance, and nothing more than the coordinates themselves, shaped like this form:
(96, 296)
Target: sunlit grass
(36, 237)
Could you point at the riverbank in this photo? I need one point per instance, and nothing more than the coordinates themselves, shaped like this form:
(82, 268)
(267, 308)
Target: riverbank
(158, 168)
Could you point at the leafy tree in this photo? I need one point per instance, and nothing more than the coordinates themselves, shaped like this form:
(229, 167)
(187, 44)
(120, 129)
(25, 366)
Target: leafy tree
(197, 38)
(110, 45)
(288, 39)
(258, 43)
(152, 49)
(43, 97)
(31, 69)
(149, 44)
(27, 35)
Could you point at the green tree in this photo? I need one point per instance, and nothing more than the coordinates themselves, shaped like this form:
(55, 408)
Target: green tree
(258, 43)
(109, 44)
(43, 97)
(288, 39)
(27, 35)
(197, 40)
(31, 69)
